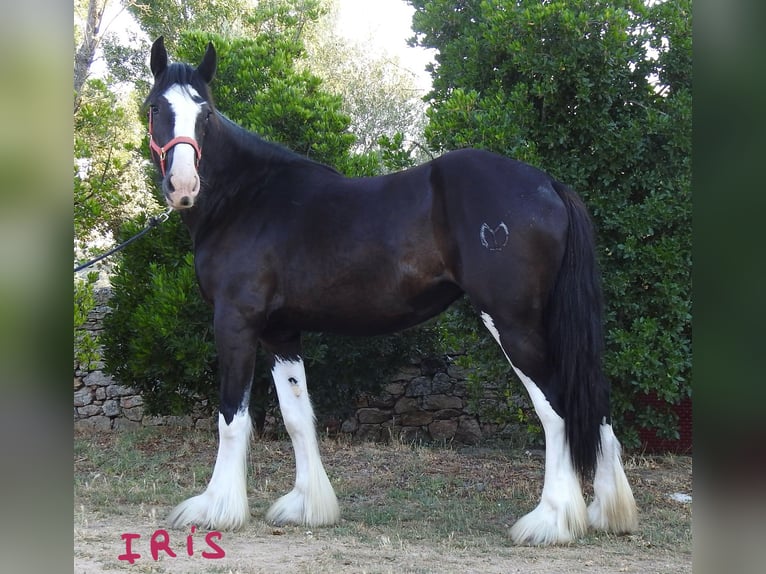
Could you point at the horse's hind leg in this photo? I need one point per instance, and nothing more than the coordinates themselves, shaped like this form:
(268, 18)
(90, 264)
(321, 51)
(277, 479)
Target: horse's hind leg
(312, 501)
(613, 508)
(561, 515)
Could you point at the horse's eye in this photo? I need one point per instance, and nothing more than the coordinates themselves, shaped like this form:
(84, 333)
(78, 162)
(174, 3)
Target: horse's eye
(154, 110)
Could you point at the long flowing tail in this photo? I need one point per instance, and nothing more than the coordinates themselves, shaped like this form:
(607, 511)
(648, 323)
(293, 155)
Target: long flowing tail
(574, 326)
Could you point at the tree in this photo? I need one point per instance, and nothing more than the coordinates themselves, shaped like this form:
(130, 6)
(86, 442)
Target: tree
(108, 184)
(378, 94)
(599, 95)
(168, 18)
(91, 16)
(258, 85)
(109, 180)
(96, 41)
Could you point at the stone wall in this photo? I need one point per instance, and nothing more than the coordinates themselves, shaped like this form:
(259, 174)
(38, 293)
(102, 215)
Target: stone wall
(103, 404)
(426, 401)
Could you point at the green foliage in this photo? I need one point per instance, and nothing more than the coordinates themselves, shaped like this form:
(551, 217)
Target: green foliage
(85, 344)
(393, 154)
(599, 95)
(378, 93)
(340, 368)
(169, 18)
(105, 153)
(158, 336)
(258, 86)
(487, 121)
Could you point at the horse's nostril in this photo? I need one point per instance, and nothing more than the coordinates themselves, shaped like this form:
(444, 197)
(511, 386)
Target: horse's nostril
(185, 200)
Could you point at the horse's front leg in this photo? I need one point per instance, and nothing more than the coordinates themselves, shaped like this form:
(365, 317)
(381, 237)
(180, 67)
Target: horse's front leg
(223, 505)
(312, 501)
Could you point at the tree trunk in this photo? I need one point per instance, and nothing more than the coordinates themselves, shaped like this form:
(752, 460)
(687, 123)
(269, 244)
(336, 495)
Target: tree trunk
(85, 52)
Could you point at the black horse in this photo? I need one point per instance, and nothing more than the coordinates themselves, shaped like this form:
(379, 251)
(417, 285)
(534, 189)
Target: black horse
(283, 245)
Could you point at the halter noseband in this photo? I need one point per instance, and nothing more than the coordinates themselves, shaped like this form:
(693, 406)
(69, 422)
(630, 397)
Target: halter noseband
(162, 151)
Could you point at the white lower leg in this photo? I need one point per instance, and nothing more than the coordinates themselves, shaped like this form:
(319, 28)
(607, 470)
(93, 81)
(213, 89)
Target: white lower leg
(312, 501)
(223, 505)
(561, 515)
(613, 508)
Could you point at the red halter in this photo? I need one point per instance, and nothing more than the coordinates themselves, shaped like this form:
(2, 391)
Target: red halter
(162, 151)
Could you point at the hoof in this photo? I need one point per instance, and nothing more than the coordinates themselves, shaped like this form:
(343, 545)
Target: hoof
(293, 508)
(545, 526)
(211, 513)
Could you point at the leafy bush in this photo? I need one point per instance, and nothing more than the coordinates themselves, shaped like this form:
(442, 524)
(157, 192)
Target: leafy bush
(158, 336)
(85, 344)
(340, 368)
(572, 87)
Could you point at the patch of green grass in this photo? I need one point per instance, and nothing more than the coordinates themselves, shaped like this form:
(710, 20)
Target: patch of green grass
(420, 496)
(124, 470)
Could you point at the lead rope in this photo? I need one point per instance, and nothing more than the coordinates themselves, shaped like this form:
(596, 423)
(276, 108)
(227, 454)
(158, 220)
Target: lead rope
(154, 221)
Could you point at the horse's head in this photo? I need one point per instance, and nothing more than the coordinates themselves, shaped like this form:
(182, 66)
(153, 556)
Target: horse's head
(179, 107)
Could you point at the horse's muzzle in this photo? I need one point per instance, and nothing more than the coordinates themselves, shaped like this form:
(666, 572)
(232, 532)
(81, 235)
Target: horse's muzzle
(180, 192)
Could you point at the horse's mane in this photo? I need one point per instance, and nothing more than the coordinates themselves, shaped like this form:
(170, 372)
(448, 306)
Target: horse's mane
(263, 147)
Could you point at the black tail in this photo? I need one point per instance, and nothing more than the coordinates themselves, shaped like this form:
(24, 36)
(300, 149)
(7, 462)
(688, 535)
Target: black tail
(574, 327)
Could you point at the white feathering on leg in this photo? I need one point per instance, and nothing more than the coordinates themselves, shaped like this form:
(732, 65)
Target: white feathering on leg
(561, 516)
(223, 505)
(312, 501)
(613, 508)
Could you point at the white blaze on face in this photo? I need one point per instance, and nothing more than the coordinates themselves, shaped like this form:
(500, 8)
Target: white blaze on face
(184, 101)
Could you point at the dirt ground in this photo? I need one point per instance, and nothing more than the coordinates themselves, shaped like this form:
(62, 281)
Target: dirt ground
(257, 550)
(251, 551)
(368, 479)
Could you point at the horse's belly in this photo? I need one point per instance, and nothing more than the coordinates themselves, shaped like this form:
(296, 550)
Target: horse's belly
(371, 312)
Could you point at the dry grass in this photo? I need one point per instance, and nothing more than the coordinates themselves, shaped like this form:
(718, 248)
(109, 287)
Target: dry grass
(394, 498)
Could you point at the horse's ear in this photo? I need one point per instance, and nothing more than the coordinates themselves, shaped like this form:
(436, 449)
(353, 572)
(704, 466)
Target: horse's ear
(207, 68)
(159, 59)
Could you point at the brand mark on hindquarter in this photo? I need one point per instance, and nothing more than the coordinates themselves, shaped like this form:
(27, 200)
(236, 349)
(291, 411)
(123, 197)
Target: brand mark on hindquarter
(494, 239)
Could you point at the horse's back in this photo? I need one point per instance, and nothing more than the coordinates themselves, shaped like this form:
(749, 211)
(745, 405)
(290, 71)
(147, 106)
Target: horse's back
(484, 185)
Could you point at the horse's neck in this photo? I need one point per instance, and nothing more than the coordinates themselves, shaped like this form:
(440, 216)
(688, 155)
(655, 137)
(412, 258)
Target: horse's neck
(235, 151)
(260, 152)
(232, 164)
